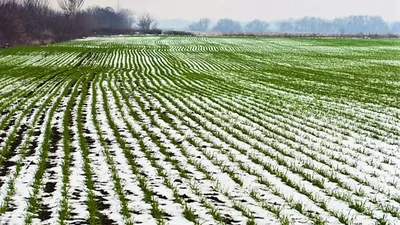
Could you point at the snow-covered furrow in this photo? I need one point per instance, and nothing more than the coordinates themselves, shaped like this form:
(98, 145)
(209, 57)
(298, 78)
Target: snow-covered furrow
(165, 198)
(183, 185)
(76, 189)
(315, 133)
(108, 203)
(45, 196)
(362, 112)
(196, 154)
(281, 114)
(134, 196)
(9, 171)
(167, 62)
(218, 173)
(287, 120)
(13, 121)
(16, 215)
(200, 130)
(13, 102)
(322, 124)
(352, 186)
(220, 132)
(8, 84)
(342, 146)
(27, 141)
(52, 180)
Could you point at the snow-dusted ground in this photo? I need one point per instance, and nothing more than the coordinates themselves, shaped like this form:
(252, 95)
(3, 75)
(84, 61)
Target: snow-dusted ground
(198, 130)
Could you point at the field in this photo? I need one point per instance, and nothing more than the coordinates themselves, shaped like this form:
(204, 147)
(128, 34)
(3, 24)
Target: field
(201, 130)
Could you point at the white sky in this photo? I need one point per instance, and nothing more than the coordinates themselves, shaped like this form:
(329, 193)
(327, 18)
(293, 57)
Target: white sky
(246, 10)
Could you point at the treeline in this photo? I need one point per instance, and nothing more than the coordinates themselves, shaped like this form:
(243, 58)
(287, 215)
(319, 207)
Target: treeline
(346, 25)
(35, 22)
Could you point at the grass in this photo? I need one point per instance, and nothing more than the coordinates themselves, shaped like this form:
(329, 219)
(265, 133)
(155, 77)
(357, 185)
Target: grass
(67, 121)
(24, 151)
(279, 129)
(34, 203)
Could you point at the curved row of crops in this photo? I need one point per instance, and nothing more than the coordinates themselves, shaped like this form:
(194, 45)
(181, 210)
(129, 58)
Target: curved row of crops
(200, 130)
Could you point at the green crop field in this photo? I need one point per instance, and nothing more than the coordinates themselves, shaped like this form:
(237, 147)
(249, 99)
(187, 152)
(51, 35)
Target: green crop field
(201, 130)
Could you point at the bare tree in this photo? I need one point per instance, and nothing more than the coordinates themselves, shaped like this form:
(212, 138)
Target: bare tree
(12, 27)
(36, 13)
(256, 26)
(71, 7)
(201, 25)
(227, 26)
(146, 22)
(127, 18)
(35, 22)
(39, 4)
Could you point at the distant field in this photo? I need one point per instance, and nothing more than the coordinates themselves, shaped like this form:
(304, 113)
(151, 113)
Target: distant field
(201, 130)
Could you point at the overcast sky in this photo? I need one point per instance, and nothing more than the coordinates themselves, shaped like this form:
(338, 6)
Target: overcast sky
(246, 10)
